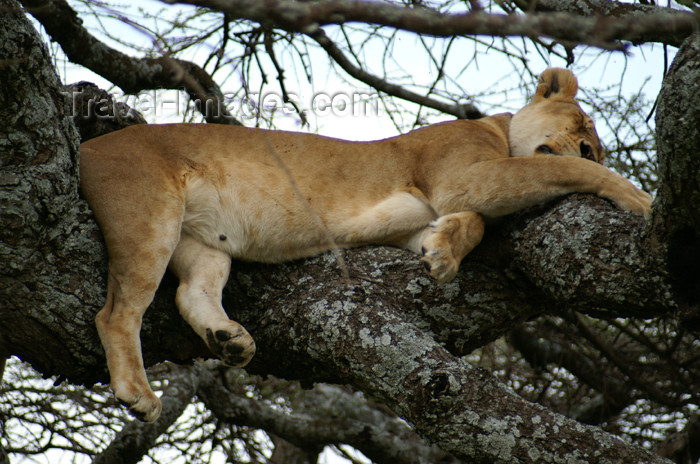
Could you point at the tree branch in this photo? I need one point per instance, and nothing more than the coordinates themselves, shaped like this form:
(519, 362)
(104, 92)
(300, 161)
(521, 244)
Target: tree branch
(95, 112)
(611, 9)
(598, 31)
(347, 421)
(463, 111)
(134, 441)
(131, 74)
(367, 342)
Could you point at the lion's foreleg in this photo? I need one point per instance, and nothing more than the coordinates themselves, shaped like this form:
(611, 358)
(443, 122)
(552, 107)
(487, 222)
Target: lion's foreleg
(506, 185)
(203, 272)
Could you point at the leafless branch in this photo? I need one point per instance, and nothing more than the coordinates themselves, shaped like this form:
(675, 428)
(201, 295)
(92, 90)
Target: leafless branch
(462, 111)
(667, 25)
(540, 352)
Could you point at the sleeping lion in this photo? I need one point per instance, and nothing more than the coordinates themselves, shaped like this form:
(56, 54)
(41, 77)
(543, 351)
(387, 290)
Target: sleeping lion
(191, 196)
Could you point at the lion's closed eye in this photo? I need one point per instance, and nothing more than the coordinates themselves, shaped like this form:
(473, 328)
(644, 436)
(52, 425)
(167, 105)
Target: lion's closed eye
(545, 149)
(586, 151)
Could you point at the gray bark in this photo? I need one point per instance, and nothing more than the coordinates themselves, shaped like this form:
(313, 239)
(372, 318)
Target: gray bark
(386, 329)
(48, 250)
(322, 416)
(677, 216)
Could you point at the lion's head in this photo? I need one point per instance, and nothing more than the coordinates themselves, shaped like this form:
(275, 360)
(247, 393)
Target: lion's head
(553, 123)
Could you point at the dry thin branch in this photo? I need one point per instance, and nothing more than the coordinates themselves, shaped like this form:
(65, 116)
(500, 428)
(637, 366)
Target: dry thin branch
(464, 111)
(539, 352)
(605, 32)
(624, 364)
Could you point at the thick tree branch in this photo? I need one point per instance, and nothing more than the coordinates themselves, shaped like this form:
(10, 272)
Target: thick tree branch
(369, 344)
(599, 31)
(131, 74)
(609, 9)
(95, 112)
(677, 216)
(347, 421)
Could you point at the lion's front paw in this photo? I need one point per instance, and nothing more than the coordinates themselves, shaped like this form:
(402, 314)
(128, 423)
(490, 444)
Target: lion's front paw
(641, 204)
(628, 197)
(232, 344)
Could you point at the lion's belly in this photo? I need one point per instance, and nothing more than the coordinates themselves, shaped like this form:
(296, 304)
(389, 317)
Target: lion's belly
(274, 221)
(257, 224)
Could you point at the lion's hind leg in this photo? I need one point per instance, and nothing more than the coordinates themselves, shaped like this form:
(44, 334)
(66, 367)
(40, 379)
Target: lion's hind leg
(135, 271)
(119, 325)
(141, 237)
(448, 240)
(203, 272)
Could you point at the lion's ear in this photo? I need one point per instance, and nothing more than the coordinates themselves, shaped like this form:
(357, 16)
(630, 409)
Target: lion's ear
(556, 84)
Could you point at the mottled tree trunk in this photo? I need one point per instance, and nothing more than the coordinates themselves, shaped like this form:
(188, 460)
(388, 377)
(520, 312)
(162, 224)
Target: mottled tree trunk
(51, 259)
(677, 206)
(386, 329)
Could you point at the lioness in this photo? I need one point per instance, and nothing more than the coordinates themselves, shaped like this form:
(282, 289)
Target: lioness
(190, 196)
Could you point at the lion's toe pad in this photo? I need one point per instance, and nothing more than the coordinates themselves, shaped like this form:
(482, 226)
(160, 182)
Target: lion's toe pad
(233, 345)
(440, 264)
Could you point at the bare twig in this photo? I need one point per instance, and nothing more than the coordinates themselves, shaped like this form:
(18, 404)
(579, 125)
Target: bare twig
(465, 111)
(267, 40)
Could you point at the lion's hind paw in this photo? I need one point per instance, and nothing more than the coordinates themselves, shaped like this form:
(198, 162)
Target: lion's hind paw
(233, 345)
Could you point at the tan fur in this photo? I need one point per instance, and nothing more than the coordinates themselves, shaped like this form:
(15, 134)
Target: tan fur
(192, 196)
(563, 130)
